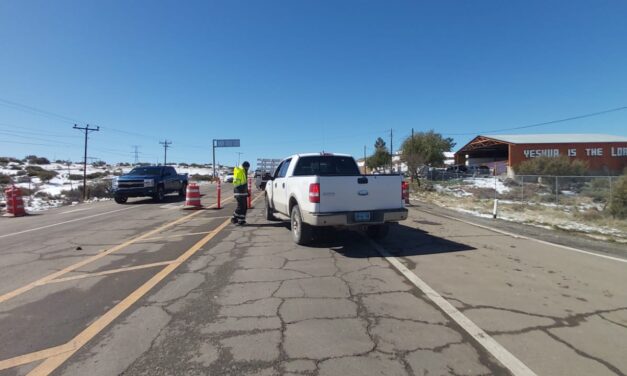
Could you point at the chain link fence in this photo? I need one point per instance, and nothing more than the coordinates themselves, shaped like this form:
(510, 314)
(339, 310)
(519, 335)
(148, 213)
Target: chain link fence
(582, 192)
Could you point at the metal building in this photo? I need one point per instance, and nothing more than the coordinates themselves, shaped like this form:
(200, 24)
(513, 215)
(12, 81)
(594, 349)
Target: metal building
(605, 154)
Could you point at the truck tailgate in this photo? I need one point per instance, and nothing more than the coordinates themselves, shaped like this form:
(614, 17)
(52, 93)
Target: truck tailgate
(345, 193)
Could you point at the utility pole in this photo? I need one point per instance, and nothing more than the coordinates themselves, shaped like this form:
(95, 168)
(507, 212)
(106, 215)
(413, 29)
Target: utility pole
(412, 155)
(86, 129)
(238, 155)
(136, 153)
(365, 160)
(391, 151)
(166, 144)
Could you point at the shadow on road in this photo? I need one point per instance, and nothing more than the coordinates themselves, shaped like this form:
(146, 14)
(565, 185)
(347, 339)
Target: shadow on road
(401, 241)
(166, 200)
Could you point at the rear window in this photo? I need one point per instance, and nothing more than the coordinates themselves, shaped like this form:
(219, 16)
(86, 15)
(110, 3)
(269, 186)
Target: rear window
(326, 165)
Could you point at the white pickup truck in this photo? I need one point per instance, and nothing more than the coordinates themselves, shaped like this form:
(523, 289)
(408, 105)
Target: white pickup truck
(327, 190)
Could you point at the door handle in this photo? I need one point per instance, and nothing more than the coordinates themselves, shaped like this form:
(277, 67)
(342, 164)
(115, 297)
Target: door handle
(283, 185)
(274, 185)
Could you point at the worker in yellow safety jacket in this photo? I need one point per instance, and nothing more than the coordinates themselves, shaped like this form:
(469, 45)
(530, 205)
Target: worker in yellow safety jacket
(240, 191)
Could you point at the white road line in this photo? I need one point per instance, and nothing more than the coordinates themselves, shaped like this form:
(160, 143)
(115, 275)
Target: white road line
(507, 359)
(75, 210)
(70, 221)
(527, 237)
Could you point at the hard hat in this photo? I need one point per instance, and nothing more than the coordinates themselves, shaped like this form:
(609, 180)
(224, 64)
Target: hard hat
(246, 165)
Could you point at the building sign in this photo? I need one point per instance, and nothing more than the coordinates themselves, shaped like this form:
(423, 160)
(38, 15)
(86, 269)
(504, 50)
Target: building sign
(616, 152)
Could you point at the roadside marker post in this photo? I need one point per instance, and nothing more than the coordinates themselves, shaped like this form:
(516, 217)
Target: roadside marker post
(219, 188)
(250, 187)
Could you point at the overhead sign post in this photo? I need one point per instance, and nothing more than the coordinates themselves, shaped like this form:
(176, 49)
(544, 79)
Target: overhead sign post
(230, 143)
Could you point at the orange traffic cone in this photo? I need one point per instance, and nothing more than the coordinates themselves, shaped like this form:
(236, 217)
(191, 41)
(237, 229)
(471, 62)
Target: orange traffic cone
(192, 197)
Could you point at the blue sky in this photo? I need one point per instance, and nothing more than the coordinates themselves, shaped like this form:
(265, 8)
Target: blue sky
(299, 76)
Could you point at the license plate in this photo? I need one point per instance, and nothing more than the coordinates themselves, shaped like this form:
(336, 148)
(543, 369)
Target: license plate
(362, 216)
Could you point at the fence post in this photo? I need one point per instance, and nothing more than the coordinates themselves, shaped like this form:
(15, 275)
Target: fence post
(557, 201)
(610, 202)
(522, 190)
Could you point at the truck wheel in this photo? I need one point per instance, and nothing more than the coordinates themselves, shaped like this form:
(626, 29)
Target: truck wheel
(269, 212)
(159, 195)
(183, 190)
(378, 232)
(301, 232)
(120, 199)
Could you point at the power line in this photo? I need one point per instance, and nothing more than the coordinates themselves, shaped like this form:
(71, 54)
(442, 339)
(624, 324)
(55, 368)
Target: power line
(544, 123)
(36, 111)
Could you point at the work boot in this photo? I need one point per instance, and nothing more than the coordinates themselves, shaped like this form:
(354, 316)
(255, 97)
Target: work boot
(234, 220)
(242, 223)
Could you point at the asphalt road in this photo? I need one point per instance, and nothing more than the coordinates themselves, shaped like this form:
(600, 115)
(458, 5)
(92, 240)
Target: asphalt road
(150, 289)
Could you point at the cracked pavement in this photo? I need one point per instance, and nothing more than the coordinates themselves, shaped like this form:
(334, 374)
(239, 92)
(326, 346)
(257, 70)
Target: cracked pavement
(251, 302)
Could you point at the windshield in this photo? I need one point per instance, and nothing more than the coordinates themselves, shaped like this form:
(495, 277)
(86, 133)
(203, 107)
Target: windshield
(137, 171)
(326, 165)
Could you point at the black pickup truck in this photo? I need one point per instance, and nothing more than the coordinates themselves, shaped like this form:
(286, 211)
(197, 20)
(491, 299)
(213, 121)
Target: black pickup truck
(149, 181)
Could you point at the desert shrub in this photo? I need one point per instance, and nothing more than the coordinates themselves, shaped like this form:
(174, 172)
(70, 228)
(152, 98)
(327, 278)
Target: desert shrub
(597, 189)
(183, 165)
(5, 179)
(589, 215)
(33, 159)
(14, 167)
(20, 173)
(36, 171)
(95, 175)
(101, 189)
(99, 164)
(560, 166)
(6, 160)
(198, 177)
(618, 205)
(42, 194)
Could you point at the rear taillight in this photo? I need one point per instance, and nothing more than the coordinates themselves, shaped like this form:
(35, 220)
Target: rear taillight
(314, 192)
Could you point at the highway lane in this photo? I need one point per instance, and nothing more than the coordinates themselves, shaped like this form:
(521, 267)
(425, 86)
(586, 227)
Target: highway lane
(247, 301)
(560, 311)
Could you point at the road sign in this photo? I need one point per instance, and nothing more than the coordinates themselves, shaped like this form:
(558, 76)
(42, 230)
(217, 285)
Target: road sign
(233, 143)
(228, 143)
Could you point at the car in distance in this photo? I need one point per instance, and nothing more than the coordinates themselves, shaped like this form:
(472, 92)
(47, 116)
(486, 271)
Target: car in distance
(149, 181)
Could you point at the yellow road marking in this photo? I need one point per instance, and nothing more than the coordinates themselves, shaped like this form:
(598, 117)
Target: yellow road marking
(53, 362)
(50, 277)
(34, 356)
(180, 235)
(112, 271)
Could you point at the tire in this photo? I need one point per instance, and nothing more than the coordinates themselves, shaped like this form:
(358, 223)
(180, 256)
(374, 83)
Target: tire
(159, 194)
(121, 199)
(183, 190)
(301, 232)
(269, 212)
(378, 232)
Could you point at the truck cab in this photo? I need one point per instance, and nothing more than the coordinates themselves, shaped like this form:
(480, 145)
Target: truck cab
(149, 181)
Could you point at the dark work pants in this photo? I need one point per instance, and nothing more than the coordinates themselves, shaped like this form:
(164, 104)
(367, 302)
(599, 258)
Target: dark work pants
(240, 211)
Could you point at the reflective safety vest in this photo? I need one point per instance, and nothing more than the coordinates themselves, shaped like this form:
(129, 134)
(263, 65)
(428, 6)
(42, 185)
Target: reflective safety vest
(239, 177)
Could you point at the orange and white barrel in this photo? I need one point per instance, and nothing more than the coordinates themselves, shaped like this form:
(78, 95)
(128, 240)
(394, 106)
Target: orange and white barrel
(15, 202)
(192, 197)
